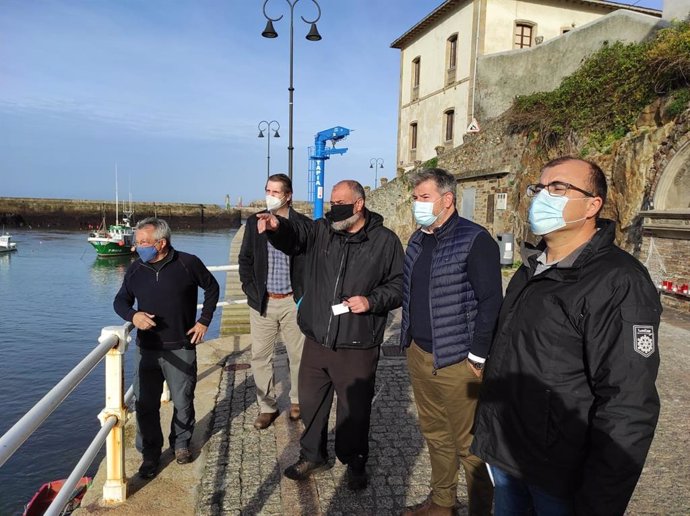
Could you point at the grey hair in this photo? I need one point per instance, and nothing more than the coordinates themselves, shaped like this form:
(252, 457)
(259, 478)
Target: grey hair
(160, 227)
(355, 186)
(444, 181)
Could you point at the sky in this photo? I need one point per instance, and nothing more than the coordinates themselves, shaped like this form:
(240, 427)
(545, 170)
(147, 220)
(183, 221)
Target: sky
(171, 93)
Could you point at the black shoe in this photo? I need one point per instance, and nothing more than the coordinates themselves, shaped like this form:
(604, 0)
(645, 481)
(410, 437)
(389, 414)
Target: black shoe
(303, 469)
(148, 468)
(357, 478)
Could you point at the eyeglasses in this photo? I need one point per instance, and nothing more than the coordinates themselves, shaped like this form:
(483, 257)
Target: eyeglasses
(144, 243)
(555, 188)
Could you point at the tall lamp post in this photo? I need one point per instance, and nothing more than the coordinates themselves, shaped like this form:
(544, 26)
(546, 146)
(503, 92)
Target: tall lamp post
(376, 163)
(267, 126)
(313, 35)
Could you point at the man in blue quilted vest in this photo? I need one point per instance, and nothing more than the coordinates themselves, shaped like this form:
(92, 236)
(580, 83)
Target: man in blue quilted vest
(451, 298)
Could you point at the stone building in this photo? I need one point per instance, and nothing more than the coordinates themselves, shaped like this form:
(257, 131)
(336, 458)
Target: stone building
(439, 55)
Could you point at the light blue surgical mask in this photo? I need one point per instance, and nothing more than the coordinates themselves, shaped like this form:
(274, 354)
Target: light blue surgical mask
(147, 253)
(546, 212)
(424, 212)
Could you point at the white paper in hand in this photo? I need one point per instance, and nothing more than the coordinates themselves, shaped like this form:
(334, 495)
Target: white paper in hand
(340, 309)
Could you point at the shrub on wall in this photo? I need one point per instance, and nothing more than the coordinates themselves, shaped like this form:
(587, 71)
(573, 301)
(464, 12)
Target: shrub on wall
(604, 97)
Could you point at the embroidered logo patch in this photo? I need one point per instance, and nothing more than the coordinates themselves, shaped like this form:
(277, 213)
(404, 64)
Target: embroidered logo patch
(643, 339)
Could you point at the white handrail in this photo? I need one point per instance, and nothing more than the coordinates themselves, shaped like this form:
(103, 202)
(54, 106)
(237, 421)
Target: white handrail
(27, 425)
(220, 268)
(113, 341)
(65, 493)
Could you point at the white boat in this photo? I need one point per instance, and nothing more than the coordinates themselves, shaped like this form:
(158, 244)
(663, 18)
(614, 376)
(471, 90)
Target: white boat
(6, 246)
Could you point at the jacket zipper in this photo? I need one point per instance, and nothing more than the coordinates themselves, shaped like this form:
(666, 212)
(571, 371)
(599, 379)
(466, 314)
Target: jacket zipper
(335, 289)
(433, 348)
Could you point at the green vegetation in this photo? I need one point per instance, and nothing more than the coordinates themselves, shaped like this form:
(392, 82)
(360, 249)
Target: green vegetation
(602, 99)
(432, 163)
(678, 103)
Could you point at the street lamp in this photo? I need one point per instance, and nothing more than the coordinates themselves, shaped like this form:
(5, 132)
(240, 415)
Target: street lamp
(376, 163)
(267, 127)
(313, 35)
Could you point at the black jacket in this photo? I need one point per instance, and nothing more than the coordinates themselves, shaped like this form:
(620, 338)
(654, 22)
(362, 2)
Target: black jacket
(340, 265)
(253, 262)
(171, 295)
(568, 400)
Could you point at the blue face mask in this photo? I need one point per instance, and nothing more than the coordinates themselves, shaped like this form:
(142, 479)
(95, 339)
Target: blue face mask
(546, 212)
(424, 212)
(147, 253)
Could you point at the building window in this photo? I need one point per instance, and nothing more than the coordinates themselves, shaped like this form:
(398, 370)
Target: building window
(523, 34)
(448, 124)
(413, 141)
(416, 70)
(452, 53)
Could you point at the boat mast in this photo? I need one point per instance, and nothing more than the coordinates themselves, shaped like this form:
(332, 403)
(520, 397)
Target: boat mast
(117, 199)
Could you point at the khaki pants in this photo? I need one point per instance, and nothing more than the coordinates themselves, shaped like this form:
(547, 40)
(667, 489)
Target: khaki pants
(281, 316)
(446, 403)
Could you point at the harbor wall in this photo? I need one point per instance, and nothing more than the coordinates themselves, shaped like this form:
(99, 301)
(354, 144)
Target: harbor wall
(16, 212)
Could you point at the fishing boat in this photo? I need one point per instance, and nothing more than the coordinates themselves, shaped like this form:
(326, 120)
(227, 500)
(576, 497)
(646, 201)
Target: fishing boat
(46, 494)
(6, 246)
(116, 239)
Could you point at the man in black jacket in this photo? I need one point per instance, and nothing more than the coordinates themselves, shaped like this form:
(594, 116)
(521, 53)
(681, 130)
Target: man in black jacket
(164, 284)
(354, 270)
(272, 282)
(568, 406)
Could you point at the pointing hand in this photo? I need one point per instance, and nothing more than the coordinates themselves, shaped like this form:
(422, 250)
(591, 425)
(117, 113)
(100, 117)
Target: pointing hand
(266, 222)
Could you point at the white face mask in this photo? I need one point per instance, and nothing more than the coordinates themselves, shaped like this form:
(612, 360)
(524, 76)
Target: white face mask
(546, 212)
(424, 212)
(274, 203)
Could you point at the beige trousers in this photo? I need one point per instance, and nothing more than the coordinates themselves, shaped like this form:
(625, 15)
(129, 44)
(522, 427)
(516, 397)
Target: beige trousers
(446, 402)
(281, 316)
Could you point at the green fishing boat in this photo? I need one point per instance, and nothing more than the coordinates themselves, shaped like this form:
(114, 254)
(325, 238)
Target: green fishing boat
(117, 240)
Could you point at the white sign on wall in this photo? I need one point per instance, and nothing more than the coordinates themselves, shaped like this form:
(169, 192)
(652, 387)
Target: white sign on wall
(502, 201)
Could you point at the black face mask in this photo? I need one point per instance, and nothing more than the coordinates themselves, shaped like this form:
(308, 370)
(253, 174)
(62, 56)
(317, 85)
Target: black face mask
(340, 212)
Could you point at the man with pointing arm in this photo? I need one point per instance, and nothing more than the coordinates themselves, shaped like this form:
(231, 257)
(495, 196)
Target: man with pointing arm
(353, 278)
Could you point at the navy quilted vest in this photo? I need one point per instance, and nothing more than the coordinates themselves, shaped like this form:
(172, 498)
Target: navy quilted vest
(453, 303)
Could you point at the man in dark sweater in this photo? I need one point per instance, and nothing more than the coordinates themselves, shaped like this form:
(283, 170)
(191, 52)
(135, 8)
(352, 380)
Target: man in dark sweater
(451, 299)
(164, 284)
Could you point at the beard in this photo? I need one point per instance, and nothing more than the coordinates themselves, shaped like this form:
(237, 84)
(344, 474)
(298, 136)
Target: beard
(346, 224)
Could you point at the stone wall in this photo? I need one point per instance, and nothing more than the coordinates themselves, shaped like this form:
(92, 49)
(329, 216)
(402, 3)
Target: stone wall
(81, 214)
(502, 76)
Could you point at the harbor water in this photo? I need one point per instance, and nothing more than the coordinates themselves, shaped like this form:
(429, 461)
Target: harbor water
(55, 296)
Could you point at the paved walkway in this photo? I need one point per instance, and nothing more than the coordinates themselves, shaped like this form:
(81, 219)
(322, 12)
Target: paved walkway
(239, 469)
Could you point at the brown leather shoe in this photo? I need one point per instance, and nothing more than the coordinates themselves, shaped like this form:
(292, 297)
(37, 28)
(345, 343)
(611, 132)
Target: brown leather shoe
(294, 411)
(428, 508)
(265, 419)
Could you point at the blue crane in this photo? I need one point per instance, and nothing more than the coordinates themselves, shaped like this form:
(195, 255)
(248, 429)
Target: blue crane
(317, 163)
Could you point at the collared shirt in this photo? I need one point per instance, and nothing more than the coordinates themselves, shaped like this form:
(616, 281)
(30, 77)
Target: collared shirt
(568, 261)
(278, 281)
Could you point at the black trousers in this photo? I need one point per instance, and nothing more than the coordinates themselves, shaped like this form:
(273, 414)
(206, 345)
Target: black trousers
(350, 373)
(152, 367)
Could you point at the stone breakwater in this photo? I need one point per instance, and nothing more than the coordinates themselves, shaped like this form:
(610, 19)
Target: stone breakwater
(83, 215)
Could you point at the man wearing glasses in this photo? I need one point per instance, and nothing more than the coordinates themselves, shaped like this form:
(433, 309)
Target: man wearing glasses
(568, 406)
(164, 283)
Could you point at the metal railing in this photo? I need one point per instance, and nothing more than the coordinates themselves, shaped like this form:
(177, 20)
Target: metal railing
(112, 345)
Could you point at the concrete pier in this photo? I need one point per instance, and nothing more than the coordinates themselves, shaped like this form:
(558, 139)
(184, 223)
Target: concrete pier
(238, 470)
